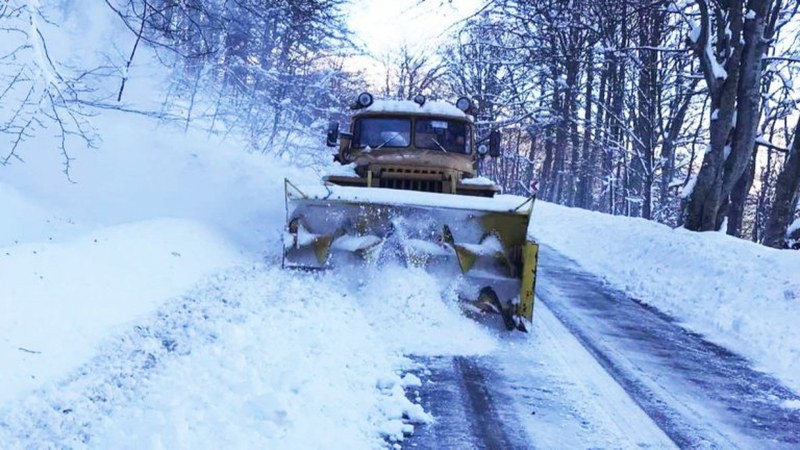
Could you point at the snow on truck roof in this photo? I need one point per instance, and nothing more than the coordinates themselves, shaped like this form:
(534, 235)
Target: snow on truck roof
(409, 107)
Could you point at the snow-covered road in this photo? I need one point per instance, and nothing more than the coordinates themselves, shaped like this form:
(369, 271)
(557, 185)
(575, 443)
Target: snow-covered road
(541, 390)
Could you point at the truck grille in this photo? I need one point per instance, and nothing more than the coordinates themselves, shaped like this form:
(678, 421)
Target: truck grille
(412, 185)
(412, 179)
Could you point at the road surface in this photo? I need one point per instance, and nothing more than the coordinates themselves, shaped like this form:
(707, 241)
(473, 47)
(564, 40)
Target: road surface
(604, 370)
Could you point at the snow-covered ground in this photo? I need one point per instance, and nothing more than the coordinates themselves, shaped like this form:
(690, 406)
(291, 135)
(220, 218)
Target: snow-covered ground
(741, 295)
(59, 299)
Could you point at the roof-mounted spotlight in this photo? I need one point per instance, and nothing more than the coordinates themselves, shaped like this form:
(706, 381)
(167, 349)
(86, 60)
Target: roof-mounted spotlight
(419, 99)
(464, 104)
(363, 101)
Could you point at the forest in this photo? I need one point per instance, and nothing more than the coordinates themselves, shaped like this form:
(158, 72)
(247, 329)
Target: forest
(683, 112)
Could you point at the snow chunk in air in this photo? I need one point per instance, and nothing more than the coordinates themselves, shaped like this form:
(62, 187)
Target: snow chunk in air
(347, 170)
(411, 380)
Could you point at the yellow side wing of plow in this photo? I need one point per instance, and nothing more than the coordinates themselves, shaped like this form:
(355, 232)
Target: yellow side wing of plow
(530, 259)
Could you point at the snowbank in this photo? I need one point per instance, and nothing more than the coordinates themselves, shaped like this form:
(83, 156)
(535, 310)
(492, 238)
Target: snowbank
(59, 300)
(254, 357)
(279, 367)
(23, 220)
(739, 294)
(148, 214)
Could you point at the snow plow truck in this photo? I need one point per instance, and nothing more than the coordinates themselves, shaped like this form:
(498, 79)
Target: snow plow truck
(411, 194)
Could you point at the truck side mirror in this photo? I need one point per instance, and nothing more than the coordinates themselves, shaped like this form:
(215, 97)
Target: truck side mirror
(333, 134)
(494, 143)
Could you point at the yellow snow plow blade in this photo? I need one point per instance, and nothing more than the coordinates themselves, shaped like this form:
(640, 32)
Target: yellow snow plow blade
(483, 241)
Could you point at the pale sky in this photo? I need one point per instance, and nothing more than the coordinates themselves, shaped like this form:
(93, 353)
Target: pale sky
(383, 26)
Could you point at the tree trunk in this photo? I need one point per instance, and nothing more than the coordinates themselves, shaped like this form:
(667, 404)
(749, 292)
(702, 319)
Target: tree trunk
(787, 191)
(571, 111)
(583, 190)
(738, 198)
(668, 149)
(735, 102)
(748, 113)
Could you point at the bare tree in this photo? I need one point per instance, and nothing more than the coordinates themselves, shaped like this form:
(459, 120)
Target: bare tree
(730, 42)
(272, 69)
(38, 93)
(410, 72)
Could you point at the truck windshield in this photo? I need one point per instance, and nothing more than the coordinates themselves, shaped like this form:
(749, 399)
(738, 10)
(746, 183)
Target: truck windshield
(448, 136)
(378, 133)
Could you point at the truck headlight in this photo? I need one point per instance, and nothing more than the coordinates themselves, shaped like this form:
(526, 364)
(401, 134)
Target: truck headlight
(464, 104)
(364, 99)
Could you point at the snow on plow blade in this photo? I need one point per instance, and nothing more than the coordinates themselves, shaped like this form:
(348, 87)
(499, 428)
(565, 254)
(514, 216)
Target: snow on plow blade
(484, 241)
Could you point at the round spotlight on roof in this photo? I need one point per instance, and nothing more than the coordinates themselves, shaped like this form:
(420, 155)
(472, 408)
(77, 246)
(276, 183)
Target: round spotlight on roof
(364, 99)
(464, 104)
(419, 99)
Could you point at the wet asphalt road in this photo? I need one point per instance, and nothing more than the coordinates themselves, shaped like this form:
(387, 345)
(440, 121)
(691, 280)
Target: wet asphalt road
(700, 394)
(455, 389)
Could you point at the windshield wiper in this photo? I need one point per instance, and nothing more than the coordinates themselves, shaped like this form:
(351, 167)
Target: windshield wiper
(440, 145)
(396, 133)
